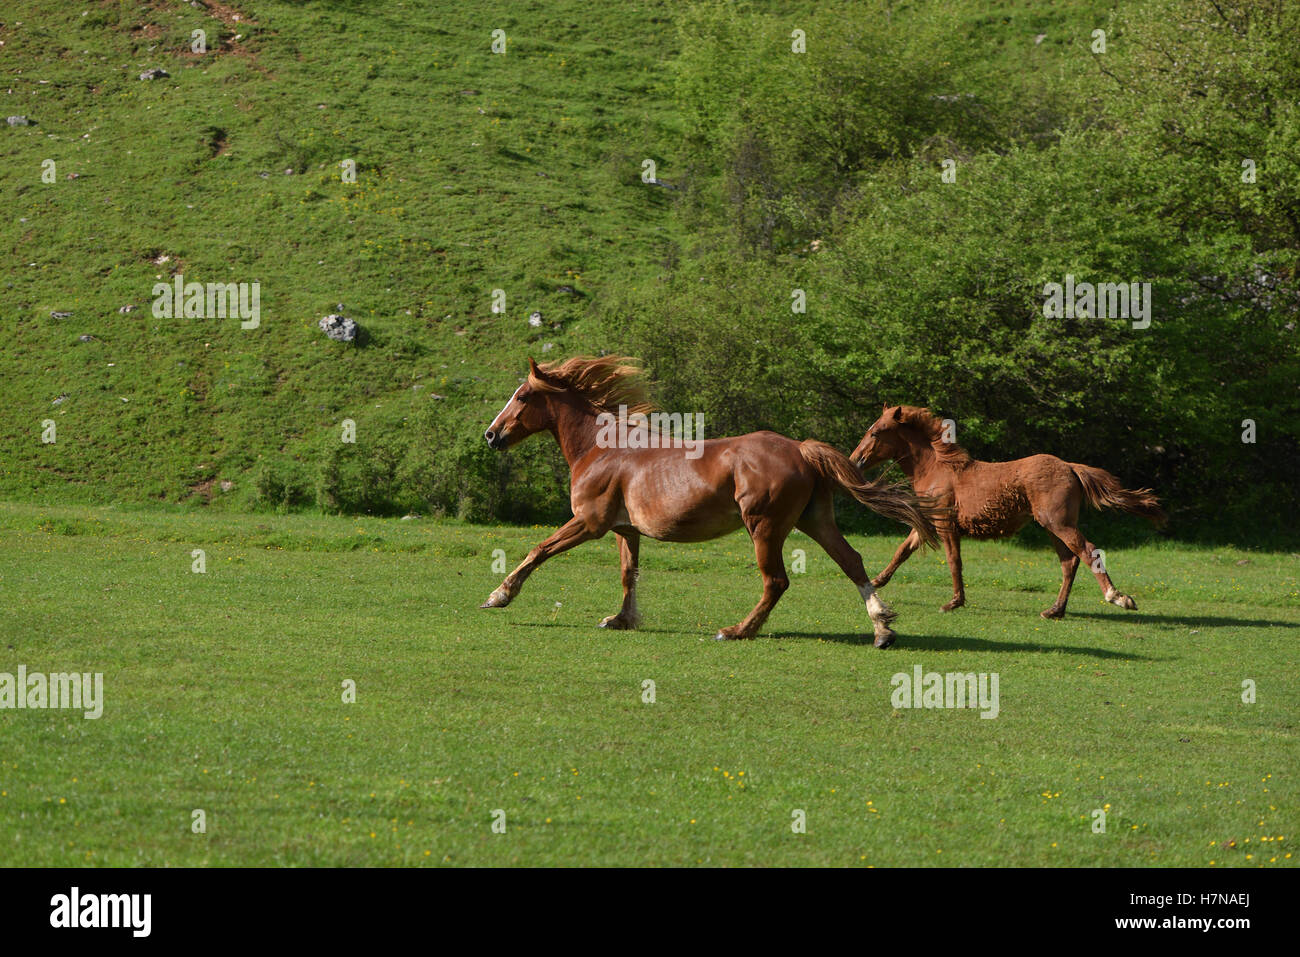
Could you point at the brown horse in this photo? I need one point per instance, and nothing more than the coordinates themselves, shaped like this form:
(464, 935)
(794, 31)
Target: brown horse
(763, 481)
(995, 499)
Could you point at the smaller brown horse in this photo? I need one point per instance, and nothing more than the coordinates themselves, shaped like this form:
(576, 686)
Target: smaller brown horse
(763, 482)
(996, 499)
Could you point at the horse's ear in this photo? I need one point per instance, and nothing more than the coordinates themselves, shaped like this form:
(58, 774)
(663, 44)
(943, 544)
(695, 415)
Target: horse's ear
(534, 371)
(898, 413)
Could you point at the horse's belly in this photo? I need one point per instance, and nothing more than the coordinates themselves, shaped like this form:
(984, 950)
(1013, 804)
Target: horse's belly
(672, 498)
(994, 517)
(680, 505)
(693, 524)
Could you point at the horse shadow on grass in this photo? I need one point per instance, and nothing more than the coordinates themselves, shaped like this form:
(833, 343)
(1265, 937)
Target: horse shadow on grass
(907, 642)
(1209, 621)
(966, 643)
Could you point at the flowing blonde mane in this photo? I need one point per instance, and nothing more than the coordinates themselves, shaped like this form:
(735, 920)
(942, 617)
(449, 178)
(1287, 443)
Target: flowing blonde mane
(931, 426)
(605, 381)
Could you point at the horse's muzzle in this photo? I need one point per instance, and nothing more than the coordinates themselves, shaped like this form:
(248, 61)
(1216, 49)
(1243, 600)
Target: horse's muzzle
(495, 440)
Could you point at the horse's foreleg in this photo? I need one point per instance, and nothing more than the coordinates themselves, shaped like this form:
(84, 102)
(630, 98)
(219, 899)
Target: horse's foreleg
(952, 548)
(629, 547)
(910, 544)
(771, 564)
(571, 533)
(1090, 555)
(1069, 565)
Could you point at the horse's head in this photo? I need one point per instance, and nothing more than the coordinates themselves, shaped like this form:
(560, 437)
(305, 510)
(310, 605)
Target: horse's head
(527, 412)
(882, 441)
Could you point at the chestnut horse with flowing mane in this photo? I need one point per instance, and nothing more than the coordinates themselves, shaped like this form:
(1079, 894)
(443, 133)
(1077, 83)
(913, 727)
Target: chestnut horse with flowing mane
(765, 482)
(995, 499)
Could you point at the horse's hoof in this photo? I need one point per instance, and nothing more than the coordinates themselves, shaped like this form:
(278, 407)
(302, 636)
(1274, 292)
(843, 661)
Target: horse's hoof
(879, 582)
(727, 634)
(952, 605)
(1124, 601)
(885, 638)
(1052, 614)
(497, 599)
(617, 623)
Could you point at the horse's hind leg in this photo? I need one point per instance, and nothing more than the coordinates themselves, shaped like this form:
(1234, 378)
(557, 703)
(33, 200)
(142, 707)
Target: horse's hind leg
(768, 541)
(1069, 565)
(1090, 555)
(910, 544)
(629, 546)
(819, 525)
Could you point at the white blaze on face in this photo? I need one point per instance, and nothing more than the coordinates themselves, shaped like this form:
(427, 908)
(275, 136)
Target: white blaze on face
(506, 406)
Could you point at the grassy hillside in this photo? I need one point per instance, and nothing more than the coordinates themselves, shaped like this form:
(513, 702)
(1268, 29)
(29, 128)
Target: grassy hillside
(223, 692)
(474, 172)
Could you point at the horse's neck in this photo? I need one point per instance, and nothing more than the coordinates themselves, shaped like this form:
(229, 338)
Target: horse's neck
(574, 430)
(919, 461)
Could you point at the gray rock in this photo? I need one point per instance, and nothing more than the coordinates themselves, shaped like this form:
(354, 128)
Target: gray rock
(60, 315)
(157, 73)
(18, 121)
(339, 328)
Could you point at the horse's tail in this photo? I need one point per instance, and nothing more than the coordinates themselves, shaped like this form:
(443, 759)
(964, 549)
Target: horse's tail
(887, 499)
(1105, 491)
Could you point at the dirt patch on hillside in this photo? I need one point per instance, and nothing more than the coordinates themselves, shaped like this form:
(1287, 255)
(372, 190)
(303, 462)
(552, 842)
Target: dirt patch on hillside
(228, 14)
(203, 490)
(220, 41)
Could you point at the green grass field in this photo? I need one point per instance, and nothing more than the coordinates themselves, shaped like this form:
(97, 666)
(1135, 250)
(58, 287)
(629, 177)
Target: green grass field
(224, 693)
